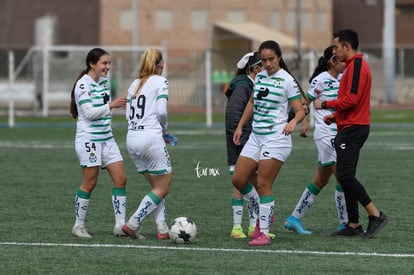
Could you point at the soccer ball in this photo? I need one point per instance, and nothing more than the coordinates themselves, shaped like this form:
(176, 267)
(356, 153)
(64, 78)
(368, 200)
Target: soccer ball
(183, 230)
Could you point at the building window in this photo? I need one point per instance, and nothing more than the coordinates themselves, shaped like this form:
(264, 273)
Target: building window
(275, 20)
(199, 20)
(126, 20)
(306, 20)
(290, 20)
(321, 22)
(164, 19)
(236, 16)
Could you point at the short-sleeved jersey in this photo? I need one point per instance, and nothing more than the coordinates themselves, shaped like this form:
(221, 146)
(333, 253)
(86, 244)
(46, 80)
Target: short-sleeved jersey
(141, 110)
(324, 87)
(97, 94)
(271, 96)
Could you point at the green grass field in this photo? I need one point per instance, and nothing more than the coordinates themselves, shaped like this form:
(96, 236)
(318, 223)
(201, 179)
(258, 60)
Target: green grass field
(40, 174)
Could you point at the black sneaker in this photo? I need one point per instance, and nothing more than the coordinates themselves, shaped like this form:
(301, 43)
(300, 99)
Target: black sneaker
(349, 231)
(375, 225)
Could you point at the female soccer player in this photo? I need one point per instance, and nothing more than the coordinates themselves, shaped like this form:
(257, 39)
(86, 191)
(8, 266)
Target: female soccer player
(95, 145)
(270, 142)
(324, 85)
(238, 95)
(146, 143)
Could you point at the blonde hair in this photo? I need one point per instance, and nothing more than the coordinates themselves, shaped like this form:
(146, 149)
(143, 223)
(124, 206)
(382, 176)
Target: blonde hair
(151, 60)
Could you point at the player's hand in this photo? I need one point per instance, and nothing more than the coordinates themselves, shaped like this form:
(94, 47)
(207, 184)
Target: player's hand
(304, 129)
(289, 127)
(119, 102)
(236, 136)
(328, 119)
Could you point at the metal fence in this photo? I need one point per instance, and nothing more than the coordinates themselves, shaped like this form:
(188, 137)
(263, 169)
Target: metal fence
(42, 78)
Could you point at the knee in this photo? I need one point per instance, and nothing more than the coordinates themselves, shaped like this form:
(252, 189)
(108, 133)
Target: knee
(121, 181)
(238, 183)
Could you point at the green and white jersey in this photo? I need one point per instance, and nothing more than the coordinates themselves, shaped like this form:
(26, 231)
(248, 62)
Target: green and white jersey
(271, 96)
(146, 110)
(324, 87)
(94, 116)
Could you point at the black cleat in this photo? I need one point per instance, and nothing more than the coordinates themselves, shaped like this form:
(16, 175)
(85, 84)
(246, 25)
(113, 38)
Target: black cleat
(375, 225)
(349, 231)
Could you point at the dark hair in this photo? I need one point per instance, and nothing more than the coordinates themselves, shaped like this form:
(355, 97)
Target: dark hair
(347, 36)
(274, 46)
(253, 61)
(323, 62)
(92, 57)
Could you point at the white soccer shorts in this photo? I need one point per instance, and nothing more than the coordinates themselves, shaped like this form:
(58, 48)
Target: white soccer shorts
(148, 152)
(91, 154)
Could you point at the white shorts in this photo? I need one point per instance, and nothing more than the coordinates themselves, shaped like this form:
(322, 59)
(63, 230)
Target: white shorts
(275, 146)
(326, 151)
(148, 151)
(91, 154)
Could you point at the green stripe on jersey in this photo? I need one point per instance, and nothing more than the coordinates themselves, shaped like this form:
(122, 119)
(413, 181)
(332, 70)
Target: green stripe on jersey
(162, 96)
(263, 133)
(85, 101)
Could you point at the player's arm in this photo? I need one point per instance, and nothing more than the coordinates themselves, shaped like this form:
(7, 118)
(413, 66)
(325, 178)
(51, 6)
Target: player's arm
(247, 114)
(162, 112)
(299, 116)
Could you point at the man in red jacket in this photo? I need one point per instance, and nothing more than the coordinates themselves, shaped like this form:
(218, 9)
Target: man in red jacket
(352, 116)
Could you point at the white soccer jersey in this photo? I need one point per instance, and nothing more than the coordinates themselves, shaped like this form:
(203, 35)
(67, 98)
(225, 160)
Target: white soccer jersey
(271, 96)
(324, 87)
(143, 111)
(95, 95)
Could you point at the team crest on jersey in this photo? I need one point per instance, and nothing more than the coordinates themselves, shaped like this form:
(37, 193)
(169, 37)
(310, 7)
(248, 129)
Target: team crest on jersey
(92, 157)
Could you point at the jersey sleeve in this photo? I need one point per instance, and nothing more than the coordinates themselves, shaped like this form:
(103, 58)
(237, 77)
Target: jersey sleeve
(292, 90)
(315, 88)
(162, 99)
(83, 92)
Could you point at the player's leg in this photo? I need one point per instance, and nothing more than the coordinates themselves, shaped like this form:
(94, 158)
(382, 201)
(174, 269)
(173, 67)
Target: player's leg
(90, 161)
(114, 164)
(155, 165)
(117, 172)
(268, 170)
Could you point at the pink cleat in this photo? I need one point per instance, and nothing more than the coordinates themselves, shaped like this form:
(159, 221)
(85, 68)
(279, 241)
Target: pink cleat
(263, 239)
(256, 231)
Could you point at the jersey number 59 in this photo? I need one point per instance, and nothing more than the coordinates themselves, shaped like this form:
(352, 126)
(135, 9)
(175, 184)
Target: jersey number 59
(137, 107)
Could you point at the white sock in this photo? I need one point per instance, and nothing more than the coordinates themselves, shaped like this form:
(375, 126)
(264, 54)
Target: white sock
(119, 204)
(266, 207)
(81, 208)
(252, 216)
(252, 198)
(237, 206)
(341, 207)
(306, 201)
(145, 208)
(160, 216)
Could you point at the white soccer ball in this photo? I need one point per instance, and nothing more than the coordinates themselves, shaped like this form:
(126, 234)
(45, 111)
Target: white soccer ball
(183, 230)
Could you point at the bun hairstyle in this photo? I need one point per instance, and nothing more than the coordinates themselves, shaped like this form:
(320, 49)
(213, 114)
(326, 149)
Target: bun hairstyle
(247, 62)
(323, 62)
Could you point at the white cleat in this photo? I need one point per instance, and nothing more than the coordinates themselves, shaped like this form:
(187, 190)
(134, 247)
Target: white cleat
(119, 232)
(80, 231)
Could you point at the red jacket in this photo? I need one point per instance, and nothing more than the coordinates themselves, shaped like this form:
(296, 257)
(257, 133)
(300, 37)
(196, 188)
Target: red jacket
(353, 104)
